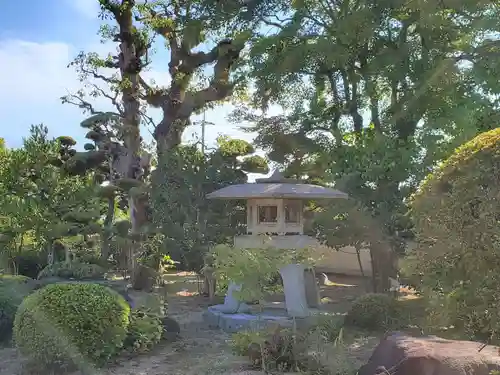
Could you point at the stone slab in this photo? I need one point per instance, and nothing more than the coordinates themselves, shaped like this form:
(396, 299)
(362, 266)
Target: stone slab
(232, 323)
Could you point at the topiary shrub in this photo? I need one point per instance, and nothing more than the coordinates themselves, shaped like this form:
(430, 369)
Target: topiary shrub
(456, 212)
(71, 325)
(372, 311)
(13, 289)
(144, 331)
(30, 263)
(73, 270)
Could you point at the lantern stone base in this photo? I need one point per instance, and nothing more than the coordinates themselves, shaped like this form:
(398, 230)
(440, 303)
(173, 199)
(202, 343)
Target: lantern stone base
(269, 318)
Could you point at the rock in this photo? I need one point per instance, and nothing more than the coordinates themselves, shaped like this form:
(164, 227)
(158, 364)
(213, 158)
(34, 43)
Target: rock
(401, 354)
(171, 329)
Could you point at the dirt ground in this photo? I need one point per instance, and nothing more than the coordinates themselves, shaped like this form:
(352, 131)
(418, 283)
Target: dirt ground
(200, 351)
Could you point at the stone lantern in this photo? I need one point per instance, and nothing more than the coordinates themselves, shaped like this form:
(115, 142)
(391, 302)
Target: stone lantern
(275, 208)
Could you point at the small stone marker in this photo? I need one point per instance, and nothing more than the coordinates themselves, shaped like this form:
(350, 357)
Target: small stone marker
(295, 291)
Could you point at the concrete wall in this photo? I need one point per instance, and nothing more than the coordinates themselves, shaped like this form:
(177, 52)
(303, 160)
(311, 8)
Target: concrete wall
(342, 261)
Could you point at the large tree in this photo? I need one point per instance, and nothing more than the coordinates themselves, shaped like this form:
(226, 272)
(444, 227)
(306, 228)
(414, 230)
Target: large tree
(200, 35)
(376, 92)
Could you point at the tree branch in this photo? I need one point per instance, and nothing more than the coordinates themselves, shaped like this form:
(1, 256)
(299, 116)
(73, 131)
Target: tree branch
(78, 101)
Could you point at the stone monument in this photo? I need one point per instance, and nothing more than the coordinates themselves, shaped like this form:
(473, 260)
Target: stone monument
(274, 209)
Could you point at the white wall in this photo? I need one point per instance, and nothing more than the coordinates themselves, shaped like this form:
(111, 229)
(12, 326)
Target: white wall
(342, 261)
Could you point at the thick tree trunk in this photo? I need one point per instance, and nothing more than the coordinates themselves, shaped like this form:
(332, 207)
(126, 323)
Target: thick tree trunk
(383, 266)
(129, 65)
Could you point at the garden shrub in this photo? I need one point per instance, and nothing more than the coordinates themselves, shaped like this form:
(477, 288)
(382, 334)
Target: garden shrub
(318, 349)
(73, 270)
(276, 349)
(13, 289)
(372, 311)
(73, 324)
(144, 331)
(456, 212)
(329, 327)
(30, 263)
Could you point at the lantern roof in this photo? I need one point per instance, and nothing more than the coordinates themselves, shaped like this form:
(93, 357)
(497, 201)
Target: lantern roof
(278, 187)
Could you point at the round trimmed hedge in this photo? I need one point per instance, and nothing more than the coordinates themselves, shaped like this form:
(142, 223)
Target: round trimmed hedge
(371, 311)
(456, 212)
(71, 324)
(13, 289)
(458, 206)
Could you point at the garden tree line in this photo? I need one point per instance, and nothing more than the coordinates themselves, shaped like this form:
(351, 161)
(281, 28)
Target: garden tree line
(376, 94)
(63, 205)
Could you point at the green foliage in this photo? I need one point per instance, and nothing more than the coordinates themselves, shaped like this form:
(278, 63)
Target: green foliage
(270, 349)
(30, 262)
(151, 302)
(38, 199)
(6, 279)
(456, 213)
(372, 311)
(241, 341)
(228, 147)
(73, 270)
(144, 331)
(254, 269)
(361, 107)
(255, 164)
(318, 349)
(13, 289)
(71, 324)
(190, 222)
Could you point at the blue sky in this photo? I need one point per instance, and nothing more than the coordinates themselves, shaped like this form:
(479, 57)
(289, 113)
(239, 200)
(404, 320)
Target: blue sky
(37, 41)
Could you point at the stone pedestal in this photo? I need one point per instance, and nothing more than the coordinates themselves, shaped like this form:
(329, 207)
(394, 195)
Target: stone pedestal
(311, 287)
(231, 304)
(295, 292)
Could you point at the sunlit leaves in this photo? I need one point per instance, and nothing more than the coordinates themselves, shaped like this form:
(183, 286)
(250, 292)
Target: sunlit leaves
(234, 147)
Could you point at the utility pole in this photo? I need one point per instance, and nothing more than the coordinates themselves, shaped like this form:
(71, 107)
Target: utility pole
(203, 123)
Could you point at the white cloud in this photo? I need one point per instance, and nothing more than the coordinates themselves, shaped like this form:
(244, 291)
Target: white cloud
(36, 76)
(34, 70)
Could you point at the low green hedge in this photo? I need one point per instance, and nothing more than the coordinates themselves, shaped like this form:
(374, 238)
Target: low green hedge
(71, 324)
(72, 270)
(372, 311)
(13, 289)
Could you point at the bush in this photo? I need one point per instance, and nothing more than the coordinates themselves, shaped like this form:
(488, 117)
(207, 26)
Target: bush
(456, 212)
(9, 280)
(30, 263)
(372, 311)
(13, 289)
(73, 270)
(144, 331)
(271, 350)
(71, 324)
(317, 350)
